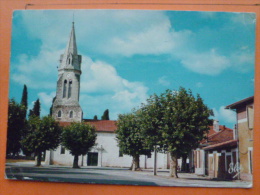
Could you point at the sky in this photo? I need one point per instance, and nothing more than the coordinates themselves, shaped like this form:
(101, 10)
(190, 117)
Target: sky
(129, 55)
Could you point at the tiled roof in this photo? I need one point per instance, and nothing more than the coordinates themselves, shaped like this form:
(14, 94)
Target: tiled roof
(223, 135)
(101, 125)
(212, 131)
(229, 144)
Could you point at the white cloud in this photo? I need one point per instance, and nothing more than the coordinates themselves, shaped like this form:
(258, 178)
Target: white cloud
(244, 18)
(156, 39)
(225, 115)
(46, 99)
(164, 81)
(210, 63)
(243, 59)
(37, 71)
(100, 77)
(111, 90)
(199, 84)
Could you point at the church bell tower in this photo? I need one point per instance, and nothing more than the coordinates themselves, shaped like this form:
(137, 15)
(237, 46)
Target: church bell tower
(66, 104)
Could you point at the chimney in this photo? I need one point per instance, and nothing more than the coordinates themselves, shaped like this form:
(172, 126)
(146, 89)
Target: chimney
(216, 125)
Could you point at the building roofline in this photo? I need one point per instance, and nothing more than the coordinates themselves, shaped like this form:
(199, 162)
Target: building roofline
(222, 144)
(239, 103)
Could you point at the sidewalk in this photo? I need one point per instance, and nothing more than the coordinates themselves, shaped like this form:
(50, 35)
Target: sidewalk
(113, 175)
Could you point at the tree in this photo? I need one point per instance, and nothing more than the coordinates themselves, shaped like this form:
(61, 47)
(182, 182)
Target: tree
(16, 125)
(129, 138)
(95, 117)
(52, 105)
(24, 100)
(78, 138)
(36, 110)
(175, 121)
(42, 134)
(105, 115)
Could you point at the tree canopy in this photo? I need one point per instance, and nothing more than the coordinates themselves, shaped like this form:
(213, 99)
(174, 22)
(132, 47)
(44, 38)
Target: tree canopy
(78, 138)
(105, 115)
(16, 126)
(129, 138)
(42, 134)
(53, 100)
(24, 100)
(36, 110)
(175, 121)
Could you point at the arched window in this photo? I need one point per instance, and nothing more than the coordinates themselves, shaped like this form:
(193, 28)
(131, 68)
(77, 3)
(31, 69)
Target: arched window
(59, 113)
(69, 60)
(70, 88)
(71, 114)
(64, 88)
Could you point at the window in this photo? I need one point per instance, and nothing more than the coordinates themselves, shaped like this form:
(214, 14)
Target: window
(71, 114)
(149, 155)
(62, 150)
(70, 88)
(64, 88)
(250, 117)
(59, 113)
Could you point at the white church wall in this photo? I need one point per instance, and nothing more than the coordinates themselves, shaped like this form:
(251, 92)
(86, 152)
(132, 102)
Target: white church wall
(108, 155)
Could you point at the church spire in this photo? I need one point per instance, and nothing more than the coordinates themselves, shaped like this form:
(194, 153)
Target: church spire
(72, 46)
(70, 58)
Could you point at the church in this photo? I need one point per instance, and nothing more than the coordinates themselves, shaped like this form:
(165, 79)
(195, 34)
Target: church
(66, 109)
(105, 152)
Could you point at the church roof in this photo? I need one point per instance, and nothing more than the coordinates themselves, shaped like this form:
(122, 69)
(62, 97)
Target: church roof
(71, 46)
(103, 125)
(100, 125)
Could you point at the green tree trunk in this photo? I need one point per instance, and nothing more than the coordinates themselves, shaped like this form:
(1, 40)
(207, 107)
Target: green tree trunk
(75, 162)
(136, 164)
(39, 159)
(173, 165)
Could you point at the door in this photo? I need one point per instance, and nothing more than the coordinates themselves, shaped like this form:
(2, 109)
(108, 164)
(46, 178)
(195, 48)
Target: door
(229, 164)
(92, 159)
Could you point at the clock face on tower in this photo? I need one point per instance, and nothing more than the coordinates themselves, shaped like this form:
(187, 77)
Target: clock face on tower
(68, 75)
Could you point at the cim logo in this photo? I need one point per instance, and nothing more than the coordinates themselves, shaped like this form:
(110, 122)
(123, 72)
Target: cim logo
(235, 168)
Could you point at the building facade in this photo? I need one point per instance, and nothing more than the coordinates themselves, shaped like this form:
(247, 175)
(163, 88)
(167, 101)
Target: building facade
(210, 158)
(244, 133)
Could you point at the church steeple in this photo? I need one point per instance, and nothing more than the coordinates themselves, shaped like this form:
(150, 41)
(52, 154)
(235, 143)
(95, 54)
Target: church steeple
(66, 105)
(72, 46)
(70, 59)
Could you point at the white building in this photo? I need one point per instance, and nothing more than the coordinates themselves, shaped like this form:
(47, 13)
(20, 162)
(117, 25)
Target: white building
(105, 153)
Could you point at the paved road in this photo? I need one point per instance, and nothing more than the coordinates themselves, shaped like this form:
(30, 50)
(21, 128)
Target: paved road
(103, 175)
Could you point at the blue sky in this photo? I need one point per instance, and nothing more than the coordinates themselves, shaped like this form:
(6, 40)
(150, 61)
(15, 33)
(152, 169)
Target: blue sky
(129, 55)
